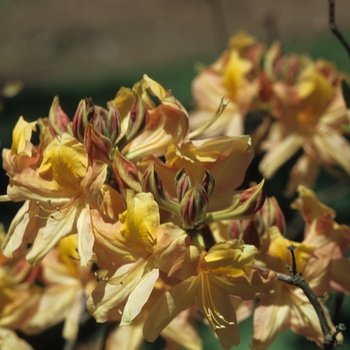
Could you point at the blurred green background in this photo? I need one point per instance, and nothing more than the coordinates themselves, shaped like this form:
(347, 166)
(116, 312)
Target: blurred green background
(77, 49)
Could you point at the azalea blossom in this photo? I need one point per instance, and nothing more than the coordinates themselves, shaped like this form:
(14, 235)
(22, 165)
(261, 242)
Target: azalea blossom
(288, 307)
(327, 235)
(235, 75)
(224, 271)
(134, 251)
(307, 102)
(19, 298)
(67, 285)
(57, 194)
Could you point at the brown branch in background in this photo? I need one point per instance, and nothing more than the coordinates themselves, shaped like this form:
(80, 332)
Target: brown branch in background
(218, 24)
(297, 280)
(333, 26)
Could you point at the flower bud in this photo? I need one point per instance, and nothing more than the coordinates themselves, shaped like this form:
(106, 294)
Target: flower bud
(107, 123)
(193, 206)
(125, 173)
(183, 183)
(151, 182)
(208, 182)
(138, 119)
(59, 122)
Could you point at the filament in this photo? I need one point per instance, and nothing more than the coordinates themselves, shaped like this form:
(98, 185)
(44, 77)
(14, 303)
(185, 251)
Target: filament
(216, 320)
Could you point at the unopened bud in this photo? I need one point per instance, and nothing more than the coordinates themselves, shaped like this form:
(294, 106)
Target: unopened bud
(208, 183)
(59, 122)
(193, 206)
(151, 182)
(138, 119)
(183, 184)
(107, 123)
(125, 172)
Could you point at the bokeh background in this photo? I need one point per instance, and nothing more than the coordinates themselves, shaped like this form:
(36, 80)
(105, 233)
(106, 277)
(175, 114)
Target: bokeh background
(90, 48)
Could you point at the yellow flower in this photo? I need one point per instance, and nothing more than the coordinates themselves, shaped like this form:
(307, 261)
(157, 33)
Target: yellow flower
(134, 250)
(224, 271)
(226, 158)
(66, 285)
(331, 239)
(58, 194)
(307, 101)
(289, 307)
(234, 75)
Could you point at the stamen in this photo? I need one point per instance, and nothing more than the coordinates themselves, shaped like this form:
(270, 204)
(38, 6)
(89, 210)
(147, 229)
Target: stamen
(57, 210)
(214, 317)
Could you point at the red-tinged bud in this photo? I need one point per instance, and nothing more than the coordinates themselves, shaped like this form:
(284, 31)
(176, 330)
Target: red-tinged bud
(243, 206)
(126, 173)
(251, 234)
(107, 123)
(138, 119)
(255, 196)
(275, 214)
(151, 182)
(208, 182)
(59, 122)
(183, 184)
(98, 147)
(193, 206)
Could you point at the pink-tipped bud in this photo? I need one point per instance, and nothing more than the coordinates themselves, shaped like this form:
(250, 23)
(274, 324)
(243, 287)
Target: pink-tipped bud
(59, 122)
(193, 206)
(151, 182)
(183, 183)
(107, 123)
(208, 182)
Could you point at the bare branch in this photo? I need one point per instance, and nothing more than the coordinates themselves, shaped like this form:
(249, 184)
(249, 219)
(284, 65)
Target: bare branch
(296, 279)
(333, 26)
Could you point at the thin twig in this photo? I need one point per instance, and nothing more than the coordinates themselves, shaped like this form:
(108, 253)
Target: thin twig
(333, 26)
(296, 279)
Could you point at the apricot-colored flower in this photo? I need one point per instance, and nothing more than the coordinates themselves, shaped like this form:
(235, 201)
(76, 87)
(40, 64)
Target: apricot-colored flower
(226, 158)
(56, 201)
(289, 307)
(224, 271)
(327, 235)
(66, 285)
(307, 101)
(134, 250)
(9, 340)
(234, 75)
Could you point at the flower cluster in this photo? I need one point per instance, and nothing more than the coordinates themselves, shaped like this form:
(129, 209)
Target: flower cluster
(131, 217)
(300, 101)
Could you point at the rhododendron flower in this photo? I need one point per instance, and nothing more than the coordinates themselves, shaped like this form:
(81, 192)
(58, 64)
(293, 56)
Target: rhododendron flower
(134, 251)
(66, 286)
(328, 236)
(180, 331)
(307, 101)
(289, 307)
(57, 195)
(9, 340)
(18, 298)
(234, 75)
(226, 158)
(224, 271)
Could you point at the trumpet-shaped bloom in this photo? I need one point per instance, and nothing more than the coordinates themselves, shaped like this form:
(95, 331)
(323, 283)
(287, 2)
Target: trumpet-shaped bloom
(136, 248)
(328, 236)
(289, 307)
(226, 158)
(58, 192)
(224, 271)
(308, 104)
(234, 75)
(66, 286)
